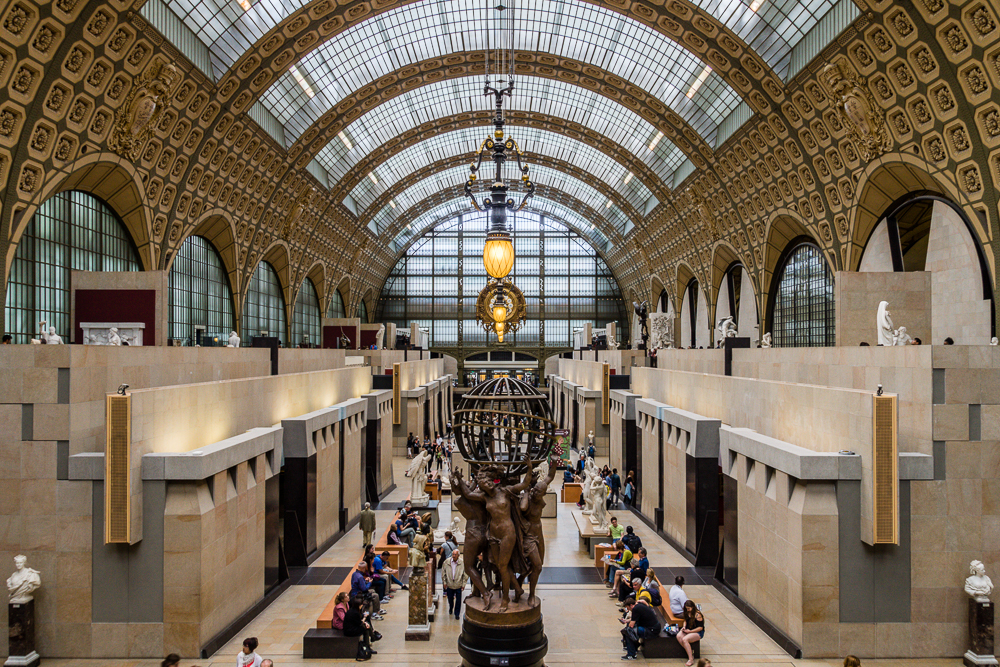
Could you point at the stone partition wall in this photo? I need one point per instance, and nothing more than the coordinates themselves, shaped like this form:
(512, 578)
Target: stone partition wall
(111, 281)
(295, 360)
(694, 361)
(649, 468)
(859, 294)
(379, 415)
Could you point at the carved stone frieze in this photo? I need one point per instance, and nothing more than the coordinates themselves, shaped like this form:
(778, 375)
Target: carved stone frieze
(144, 104)
(857, 109)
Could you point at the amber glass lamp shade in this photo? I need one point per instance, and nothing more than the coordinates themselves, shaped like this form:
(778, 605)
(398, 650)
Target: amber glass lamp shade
(498, 254)
(499, 313)
(500, 326)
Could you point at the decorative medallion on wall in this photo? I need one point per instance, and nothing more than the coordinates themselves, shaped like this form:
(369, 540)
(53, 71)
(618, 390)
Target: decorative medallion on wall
(144, 104)
(856, 109)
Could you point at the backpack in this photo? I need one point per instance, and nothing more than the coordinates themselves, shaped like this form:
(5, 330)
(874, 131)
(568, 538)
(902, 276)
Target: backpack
(655, 597)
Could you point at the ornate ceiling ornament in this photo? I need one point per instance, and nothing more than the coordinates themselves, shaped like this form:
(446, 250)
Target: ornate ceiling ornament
(856, 108)
(144, 104)
(500, 308)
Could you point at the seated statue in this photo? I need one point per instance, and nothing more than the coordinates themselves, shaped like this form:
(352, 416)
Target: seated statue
(234, 340)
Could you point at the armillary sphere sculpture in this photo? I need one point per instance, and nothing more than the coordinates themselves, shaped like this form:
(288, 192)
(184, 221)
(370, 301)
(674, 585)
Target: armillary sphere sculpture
(503, 429)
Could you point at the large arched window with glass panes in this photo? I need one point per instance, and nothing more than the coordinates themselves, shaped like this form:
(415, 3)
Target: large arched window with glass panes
(306, 317)
(200, 301)
(336, 307)
(71, 231)
(264, 308)
(363, 312)
(804, 310)
(576, 286)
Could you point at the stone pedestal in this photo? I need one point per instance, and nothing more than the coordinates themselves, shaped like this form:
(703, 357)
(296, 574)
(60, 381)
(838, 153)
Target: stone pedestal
(417, 629)
(980, 634)
(551, 500)
(514, 638)
(21, 619)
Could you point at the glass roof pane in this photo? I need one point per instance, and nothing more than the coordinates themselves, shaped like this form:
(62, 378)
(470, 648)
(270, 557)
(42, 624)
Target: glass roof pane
(449, 178)
(444, 99)
(476, 220)
(399, 167)
(568, 28)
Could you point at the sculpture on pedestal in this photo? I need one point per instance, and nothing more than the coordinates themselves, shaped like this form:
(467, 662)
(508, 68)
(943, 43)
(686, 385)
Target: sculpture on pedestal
(612, 343)
(234, 340)
(24, 582)
(726, 328)
(883, 324)
(977, 584)
(505, 434)
(599, 501)
(379, 337)
(417, 472)
(455, 528)
(49, 337)
(766, 340)
(662, 330)
(900, 337)
(993, 341)
(587, 492)
(642, 312)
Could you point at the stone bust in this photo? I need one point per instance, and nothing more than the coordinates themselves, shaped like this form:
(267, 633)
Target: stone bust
(978, 585)
(24, 582)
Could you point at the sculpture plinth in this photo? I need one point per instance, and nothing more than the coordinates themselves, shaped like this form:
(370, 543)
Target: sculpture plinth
(514, 638)
(417, 628)
(980, 634)
(21, 621)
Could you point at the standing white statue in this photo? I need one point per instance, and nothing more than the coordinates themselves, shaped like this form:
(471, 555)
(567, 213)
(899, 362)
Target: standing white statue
(24, 582)
(589, 472)
(417, 472)
(113, 337)
(49, 337)
(612, 343)
(978, 585)
(883, 324)
(234, 340)
(900, 337)
(766, 340)
(993, 341)
(379, 337)
(599, 495)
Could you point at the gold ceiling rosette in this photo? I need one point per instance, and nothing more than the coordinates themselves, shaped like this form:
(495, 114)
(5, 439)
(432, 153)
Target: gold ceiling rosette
(500, 308)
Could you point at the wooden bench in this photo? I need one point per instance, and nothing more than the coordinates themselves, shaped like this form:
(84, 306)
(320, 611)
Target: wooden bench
(662, 646)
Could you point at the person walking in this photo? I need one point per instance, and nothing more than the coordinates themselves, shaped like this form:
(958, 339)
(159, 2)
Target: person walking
(616, 487)
(367, 523)
(454, 578)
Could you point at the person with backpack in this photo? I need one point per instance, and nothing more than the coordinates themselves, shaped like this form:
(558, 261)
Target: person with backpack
(631, 540)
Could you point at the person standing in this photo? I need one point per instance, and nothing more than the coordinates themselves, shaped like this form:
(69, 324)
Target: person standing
(616, 487)
(454, 578)
(248, 656)
(367, 523)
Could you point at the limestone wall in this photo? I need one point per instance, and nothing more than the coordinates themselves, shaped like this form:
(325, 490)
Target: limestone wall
(328, 467)
(695, 361)
(294, 360)
(859, 294)
(353, 443)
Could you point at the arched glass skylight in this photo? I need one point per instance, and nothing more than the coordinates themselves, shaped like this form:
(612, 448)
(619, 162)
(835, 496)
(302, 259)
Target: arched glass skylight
(231, 27)
(571, 29)
(533, 141)
(553, 98)
(449, 178)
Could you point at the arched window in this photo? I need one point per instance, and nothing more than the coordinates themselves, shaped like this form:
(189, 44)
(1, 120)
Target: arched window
(305, 318)
(200, 301)
(264, 310)
(363, 312)
(804, 309)
(336, 308)
(71, 231)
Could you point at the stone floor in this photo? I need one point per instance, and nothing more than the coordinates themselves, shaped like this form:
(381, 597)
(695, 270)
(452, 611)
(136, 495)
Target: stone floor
(580, 620)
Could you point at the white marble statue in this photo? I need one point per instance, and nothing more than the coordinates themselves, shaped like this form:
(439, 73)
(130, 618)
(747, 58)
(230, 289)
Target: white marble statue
(456, 530)
(599, 494)
(883, 324)
(612, 343)
(543, 469)
(993, 341)
(661, 330)
(234, 340)
(726, 328)
(24, 582)
(978, 585)
(900, 337)
(379, 337)
(113, 337)
(586, 491)
(49, 336)
(766, 340)
(417, 472)
(590, 440)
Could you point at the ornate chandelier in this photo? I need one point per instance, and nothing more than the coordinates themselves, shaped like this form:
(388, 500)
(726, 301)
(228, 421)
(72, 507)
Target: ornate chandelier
(500, 308)
(498, 253)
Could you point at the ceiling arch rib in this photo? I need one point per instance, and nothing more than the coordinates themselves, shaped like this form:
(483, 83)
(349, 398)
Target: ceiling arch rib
(464, 142)
(380, 216)
(603, 38)
(533, 95)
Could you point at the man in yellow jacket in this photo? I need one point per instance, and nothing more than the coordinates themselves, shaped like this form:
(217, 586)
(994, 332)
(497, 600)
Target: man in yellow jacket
(454, 578)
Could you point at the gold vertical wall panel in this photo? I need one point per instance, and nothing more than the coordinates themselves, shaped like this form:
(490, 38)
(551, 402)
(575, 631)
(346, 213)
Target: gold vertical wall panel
(885, 471)
(117, 463)
(606, 396)
(395, 393)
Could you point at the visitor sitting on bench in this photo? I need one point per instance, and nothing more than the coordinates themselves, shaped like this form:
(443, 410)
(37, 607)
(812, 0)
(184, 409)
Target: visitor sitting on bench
(358, 624)
(382, 569)
(643, 624)
(621, 563)
(637, 568)
(693, 630)
(361, 589)
(678, 598)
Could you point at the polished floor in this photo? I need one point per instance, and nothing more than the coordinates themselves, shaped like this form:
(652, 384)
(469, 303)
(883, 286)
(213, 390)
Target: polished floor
(580, 620)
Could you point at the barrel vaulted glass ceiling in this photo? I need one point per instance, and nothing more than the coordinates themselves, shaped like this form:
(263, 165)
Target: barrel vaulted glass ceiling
(414, 33)
(230, 27)
(381, 220)
(445, 99)
(466, 141)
